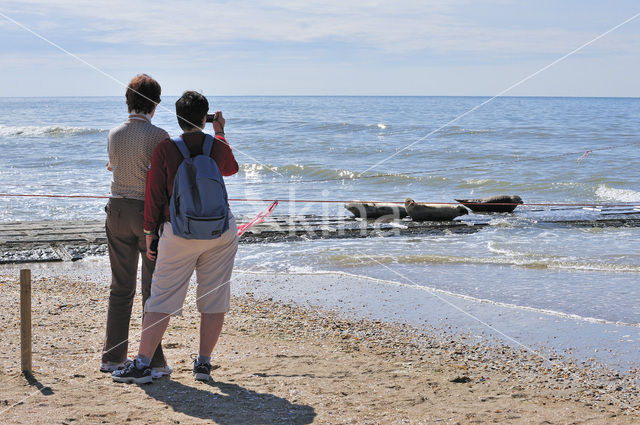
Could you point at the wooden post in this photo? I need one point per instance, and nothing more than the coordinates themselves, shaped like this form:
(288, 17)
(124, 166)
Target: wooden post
(25, 320)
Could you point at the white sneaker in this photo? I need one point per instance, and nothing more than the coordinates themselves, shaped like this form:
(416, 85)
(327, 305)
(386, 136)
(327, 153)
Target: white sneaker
(159, 372)
(113, 366)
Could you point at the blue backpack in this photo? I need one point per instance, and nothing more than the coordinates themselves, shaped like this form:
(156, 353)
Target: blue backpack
(199, 208)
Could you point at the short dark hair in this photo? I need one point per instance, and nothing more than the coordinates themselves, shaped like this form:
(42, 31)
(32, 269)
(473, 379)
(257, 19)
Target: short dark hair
(191, 109)
(143, 94)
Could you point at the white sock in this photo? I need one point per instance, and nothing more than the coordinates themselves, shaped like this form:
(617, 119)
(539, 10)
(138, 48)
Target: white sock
(142, 361)
(203, 359)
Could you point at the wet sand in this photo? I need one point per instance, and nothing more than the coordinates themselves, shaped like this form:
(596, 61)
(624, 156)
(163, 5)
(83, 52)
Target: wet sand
(280, 363)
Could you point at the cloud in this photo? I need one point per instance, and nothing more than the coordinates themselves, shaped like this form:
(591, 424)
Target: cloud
(389, 27)
(314, 47)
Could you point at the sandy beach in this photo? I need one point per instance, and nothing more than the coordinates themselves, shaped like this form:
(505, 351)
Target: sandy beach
(279, 363)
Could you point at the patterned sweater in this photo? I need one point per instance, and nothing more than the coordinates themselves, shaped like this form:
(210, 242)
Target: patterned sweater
(130, 147)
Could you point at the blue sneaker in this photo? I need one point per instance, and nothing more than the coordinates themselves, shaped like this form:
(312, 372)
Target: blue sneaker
(130, 374)
(201, 371)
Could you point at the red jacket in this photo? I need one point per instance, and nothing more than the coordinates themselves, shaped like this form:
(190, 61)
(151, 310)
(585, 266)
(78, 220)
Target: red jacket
(164, 164)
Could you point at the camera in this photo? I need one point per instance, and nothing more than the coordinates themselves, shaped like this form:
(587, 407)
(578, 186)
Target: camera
(211, 117)
(154, 244)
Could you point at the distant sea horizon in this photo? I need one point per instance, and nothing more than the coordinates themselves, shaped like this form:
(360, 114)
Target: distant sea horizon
(340, 95)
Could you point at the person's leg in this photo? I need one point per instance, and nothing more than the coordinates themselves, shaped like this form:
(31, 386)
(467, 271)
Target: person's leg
(139, 371)
(154, 326)
(174, 266)
(148, 266)
(210, 329)
(213, 272)
(123, 256)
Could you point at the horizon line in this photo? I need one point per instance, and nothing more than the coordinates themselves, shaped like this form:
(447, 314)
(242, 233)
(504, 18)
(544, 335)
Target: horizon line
(337, 95)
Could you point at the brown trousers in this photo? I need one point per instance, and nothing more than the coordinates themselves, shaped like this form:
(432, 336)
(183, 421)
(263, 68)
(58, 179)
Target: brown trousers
(126, 242)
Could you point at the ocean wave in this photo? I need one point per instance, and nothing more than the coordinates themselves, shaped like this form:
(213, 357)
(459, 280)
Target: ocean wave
(530, 131)
(294, 171)
(344, 127)
(485, 183)
(49, 130)
(606, 193)
(455, 131)
(533, 260)
(254, 172)
(350, 260)
(480, 182)
(504, 258)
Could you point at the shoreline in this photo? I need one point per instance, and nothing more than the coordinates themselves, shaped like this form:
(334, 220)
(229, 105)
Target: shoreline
(280, 362)
(582, 340)
(592, 342)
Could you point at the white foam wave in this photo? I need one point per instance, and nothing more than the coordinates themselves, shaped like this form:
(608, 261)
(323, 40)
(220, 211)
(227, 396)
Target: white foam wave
(606, 193)
(437, 291)
(504, 257)
(508, 222)
(252, 171)
(541, 261)
(491, 246)
(296, 171)
(49, 130)
(478, 181)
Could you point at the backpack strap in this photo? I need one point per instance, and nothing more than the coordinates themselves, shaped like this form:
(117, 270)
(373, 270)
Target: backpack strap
(182, 147)
(207, 145)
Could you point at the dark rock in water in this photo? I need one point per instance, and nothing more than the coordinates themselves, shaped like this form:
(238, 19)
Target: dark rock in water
(433, 212)
(376, 209)
(500, 203)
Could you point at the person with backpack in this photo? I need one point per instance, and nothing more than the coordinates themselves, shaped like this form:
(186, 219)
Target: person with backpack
(186, 205)
(130, 147)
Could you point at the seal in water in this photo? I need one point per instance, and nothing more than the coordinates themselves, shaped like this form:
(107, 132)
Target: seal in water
(500, 203)
(376, 209)
(433, 212)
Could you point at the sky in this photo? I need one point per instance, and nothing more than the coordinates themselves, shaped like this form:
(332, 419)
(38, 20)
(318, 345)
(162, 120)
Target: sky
(329, 47)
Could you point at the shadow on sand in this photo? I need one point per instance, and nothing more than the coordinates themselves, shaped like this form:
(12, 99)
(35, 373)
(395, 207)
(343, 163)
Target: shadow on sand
(227, 403)
(33, 381)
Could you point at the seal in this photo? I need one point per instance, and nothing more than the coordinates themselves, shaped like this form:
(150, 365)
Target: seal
(376, 209)
(433, 212)
(499, 203)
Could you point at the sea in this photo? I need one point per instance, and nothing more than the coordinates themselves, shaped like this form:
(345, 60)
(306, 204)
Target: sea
(571, 160)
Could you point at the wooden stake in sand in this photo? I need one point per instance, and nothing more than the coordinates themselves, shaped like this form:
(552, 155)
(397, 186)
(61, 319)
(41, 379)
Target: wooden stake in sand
(25, 320)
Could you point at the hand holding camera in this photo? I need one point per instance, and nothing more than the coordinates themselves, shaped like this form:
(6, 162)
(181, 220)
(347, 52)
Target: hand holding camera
(217, 120)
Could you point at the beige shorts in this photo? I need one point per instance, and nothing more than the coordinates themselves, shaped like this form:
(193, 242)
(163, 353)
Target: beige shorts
(212, 260)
